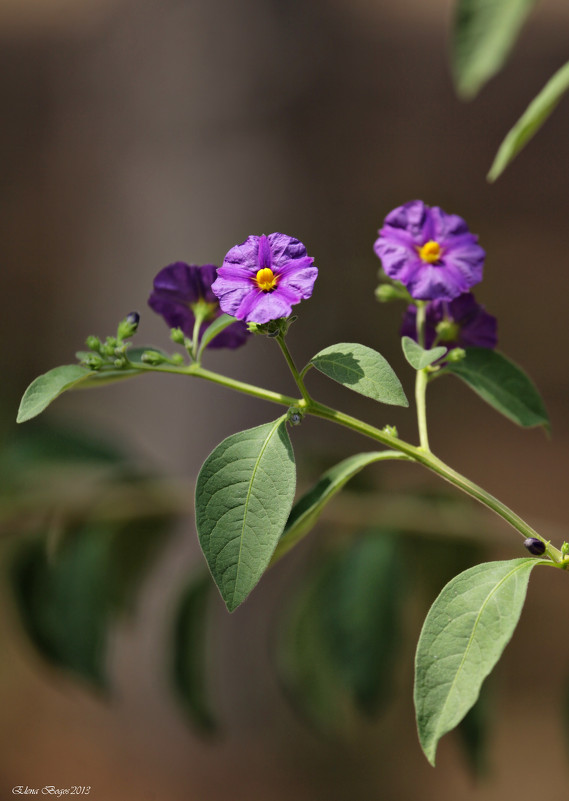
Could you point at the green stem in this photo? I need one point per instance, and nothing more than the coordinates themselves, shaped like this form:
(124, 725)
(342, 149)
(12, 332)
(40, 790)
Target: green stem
(417, 454)
(421, 381)
(295, 374)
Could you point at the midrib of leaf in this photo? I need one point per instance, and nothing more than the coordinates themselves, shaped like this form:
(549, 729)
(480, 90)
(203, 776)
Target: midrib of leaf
(249, 490)
(471, 638)
(352, 370)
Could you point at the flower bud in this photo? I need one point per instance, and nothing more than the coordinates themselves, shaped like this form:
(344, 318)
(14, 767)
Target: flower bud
(385, 293)
(93, 343)
(177, 336)
(535, 547)
(455, 355)
(177, 358)
(152, 357)
(447, 331)
(294, 415)
(128, 326)
(391, 430)
(93, 361)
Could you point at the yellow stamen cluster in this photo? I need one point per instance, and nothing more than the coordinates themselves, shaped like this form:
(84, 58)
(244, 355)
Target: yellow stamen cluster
(430, 252)
(266, 279)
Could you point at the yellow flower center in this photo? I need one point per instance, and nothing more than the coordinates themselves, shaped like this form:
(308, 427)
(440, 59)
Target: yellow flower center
(430, 251)
(266, 279)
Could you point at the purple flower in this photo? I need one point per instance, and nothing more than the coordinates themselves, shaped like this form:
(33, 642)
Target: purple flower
(461, 323)
(431, 252)
(262, 278)
(179, 288)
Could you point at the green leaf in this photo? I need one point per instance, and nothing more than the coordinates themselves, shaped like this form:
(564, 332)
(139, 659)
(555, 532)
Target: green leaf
(531, 121)
(418, 357)
(362, 369)
(463, 636)
(49, 386)
(484, 33)
(308, 508)
(68, 599)
(503, 385)
(189, 662)
(362, 617)
(244, 494)
(218, 325)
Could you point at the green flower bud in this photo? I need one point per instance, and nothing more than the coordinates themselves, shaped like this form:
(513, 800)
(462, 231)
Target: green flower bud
(294, 415)
(448, 331)
(391, 430)
(455, 355)
(177, 358)
(93, 361)
(93, 343)
(152, 357)
(385, 293)
(177, 336)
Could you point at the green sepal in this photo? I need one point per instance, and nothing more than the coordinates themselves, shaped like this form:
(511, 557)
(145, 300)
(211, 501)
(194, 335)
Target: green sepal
(463, 637)
(309, 507)
(484, 32)
(503, 385)
(244, 494)
(418, 357)
(531, 121)
(361, 369)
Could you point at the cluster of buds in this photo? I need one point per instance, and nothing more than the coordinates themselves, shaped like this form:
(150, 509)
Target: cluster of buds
(112, 352)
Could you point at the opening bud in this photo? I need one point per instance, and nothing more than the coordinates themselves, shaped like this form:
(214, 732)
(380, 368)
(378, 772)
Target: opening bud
(128, 326)
(294, 415)
(535, 547)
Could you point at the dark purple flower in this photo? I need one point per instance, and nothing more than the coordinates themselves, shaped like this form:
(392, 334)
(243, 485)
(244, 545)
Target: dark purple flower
(179, 288)
(262, 278)
(431, 252)
(459, 323)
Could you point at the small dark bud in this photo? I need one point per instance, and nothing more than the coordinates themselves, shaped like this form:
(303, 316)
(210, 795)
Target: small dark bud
(128, 326)
(535, 547)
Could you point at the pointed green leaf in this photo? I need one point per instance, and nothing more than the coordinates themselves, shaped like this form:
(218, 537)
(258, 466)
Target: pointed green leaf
(484, 33)
(463, 636)
(418, 357)
(244, 494)
(219, 324)
(49, 386)
(308, 508)
(362, 369)
(503, 385)
(190, 658)
(531, 121)
(362, 617)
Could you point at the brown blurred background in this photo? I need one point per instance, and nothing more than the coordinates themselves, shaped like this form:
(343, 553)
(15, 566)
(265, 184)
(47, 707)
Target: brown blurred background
(138, 133)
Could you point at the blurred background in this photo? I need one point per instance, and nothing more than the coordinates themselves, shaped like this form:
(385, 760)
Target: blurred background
(139, 133)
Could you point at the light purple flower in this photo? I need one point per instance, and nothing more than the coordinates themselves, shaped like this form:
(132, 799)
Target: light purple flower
(262, 278)
(431, 252)
(179, 288)
(459, 323)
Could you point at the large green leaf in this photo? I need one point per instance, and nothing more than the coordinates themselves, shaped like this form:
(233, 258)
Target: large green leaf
(362, 369)
(463, 636)
(308, 508)
(418, 357)
(49, 386)
(244, 494)
(503, 385)
(69, 598)
(483, 35)
(190, 657)
(362, 617)
(531, 121)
